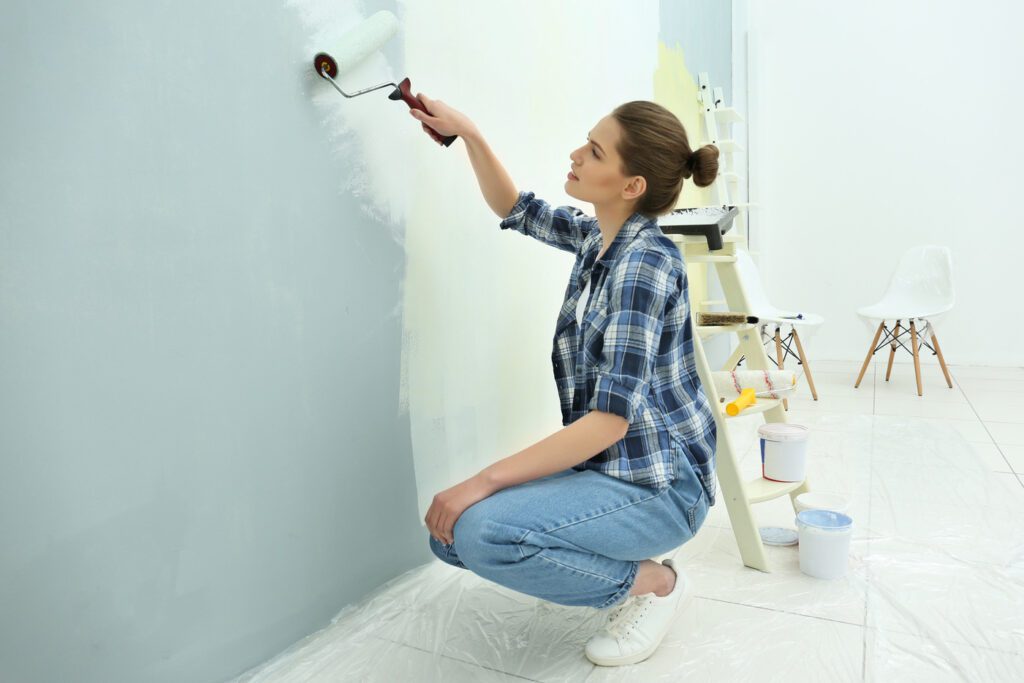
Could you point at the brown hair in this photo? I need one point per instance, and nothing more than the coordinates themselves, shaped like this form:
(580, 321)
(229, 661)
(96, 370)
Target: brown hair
(654, 145)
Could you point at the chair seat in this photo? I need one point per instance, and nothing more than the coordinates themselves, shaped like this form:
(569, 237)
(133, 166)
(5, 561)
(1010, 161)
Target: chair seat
(777, 316)
(884, 311)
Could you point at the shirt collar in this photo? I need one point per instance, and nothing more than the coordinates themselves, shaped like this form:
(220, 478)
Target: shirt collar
(630, 229)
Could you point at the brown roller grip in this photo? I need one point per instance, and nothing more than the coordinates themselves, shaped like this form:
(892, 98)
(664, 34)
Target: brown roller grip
(404, 93)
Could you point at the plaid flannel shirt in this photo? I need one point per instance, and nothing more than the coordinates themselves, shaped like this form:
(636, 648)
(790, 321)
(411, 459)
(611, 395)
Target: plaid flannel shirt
(634, 357)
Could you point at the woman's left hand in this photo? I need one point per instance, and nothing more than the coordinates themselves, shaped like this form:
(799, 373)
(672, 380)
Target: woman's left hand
(449, 505)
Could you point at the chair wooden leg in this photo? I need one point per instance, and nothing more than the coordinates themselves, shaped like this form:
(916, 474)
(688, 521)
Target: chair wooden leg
(917, 358)
(942, 361)
(892, 350)
(778, 355)
(871, 352)
(807, 366)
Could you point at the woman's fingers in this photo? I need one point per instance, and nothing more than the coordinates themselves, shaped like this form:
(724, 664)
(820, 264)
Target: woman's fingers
(431, 527)
(420, 116)
(423, 116)
(433, 520)
(437, 523)
(443, 120)
(430, 131)
(442, 528)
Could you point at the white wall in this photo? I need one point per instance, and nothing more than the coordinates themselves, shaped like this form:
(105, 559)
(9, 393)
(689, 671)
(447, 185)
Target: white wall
(876, 126)
(481, 303)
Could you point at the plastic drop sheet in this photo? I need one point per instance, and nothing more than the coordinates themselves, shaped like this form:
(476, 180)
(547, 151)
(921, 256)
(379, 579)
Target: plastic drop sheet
(935, 589)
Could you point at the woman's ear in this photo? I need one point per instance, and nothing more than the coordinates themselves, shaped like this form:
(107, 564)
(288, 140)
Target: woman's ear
(636, 186)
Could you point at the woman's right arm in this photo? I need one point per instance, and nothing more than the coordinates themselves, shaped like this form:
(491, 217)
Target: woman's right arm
(497, 187)
(562, 227)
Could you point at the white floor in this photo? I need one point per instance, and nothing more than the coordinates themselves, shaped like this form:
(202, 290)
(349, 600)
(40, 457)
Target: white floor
(935, 590)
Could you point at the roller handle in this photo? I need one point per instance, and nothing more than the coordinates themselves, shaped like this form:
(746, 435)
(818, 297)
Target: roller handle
(745, 400)
(405, 94)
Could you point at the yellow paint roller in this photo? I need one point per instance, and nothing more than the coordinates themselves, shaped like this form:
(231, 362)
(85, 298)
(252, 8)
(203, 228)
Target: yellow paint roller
(751, 384)
(747, 398)
(355, 46)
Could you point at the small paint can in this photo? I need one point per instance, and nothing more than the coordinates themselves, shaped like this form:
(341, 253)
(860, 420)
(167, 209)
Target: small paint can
(783, 451)
(825, 537)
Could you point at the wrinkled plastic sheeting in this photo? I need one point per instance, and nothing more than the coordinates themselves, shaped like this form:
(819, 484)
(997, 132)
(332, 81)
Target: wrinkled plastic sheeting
(935, 590)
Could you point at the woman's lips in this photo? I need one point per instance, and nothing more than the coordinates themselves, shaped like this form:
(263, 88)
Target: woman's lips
(571, 176)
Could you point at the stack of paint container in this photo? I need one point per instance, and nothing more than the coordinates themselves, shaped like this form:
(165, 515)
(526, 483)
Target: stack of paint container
(824, 528)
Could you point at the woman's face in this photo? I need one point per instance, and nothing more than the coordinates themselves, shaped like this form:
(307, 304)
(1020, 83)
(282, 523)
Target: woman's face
(595, 175)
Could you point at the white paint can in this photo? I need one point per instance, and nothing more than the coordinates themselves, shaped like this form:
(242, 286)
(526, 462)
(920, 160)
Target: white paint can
(783, 451)
(824, 543)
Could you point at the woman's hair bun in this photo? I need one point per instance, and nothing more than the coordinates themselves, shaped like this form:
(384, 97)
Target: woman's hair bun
(703, 165)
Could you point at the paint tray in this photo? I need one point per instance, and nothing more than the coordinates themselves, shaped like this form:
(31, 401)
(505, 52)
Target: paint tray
(710, 222)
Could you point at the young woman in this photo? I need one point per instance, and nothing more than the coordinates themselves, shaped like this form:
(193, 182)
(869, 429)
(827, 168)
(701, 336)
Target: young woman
(573, 518)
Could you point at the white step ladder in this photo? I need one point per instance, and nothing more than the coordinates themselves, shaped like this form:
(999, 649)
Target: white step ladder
(738, 494)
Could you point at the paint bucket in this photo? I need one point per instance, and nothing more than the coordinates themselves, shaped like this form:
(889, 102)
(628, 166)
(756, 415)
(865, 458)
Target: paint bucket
(820, 500)
(783, 451)
(824, 543)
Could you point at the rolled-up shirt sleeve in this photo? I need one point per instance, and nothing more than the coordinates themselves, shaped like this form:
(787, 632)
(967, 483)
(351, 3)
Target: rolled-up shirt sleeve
(562, 227)
(639, 288)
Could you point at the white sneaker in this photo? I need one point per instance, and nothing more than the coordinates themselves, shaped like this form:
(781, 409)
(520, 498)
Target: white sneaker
(639, 625)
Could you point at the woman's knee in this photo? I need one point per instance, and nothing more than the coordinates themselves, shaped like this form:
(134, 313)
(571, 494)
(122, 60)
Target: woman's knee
(466, 533)
(445, 553)
(481, 539)
(468, 527)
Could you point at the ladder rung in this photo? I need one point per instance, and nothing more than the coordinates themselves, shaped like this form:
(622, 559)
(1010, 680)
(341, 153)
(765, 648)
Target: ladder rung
(761, 489)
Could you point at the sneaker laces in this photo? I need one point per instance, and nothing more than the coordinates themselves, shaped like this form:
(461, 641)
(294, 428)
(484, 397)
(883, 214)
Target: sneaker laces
(614, 612)
(622, 624)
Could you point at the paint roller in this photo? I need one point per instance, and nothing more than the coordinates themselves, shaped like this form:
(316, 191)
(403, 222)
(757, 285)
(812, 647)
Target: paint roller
(355, 46)
(752, 384)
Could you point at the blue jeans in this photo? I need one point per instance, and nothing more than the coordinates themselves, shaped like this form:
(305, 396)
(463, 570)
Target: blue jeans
(575, 538)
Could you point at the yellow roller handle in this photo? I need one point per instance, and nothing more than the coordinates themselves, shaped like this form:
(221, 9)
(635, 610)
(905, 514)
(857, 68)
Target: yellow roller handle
(746, 399)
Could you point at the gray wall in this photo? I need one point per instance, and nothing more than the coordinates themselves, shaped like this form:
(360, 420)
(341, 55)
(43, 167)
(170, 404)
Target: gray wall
(202, 458)
(703, 29)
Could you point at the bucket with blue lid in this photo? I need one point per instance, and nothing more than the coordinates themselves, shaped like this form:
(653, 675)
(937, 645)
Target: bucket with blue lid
(824, 542)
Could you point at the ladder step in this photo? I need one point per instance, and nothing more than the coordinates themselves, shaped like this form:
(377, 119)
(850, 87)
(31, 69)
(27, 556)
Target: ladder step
(727, 146)
(728, 115)
(708, 331)
(698, 258)
(759, 407)
(761, 489)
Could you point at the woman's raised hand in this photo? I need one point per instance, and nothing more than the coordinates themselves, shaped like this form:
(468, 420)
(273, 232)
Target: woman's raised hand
(443, 119)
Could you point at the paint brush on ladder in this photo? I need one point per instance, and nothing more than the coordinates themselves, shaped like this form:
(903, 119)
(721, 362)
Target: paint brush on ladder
(357, 44)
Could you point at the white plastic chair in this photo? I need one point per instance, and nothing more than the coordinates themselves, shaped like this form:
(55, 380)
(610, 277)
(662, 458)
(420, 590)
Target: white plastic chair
(920, 289)
(770, 316)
